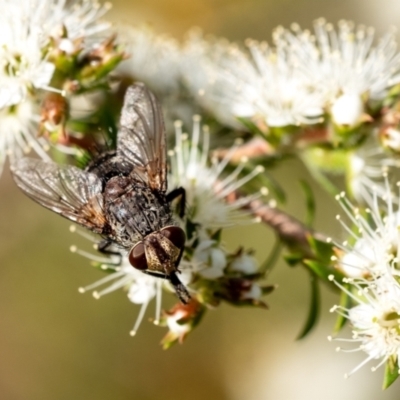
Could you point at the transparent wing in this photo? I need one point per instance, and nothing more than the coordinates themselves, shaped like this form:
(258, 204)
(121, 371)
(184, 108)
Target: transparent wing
(64, 189)
(141, 138)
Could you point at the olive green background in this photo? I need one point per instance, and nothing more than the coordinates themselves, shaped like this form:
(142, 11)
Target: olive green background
(56, 344)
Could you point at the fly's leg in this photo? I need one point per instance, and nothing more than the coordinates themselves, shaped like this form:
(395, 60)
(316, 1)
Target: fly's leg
(178, 192)
(104, 247)
(179, 287)
(156, 275)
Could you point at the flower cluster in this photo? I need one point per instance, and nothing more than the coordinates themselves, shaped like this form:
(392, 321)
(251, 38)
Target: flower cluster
(303, 79)
(156, 60)
(372, 286)
(49, 51)
(211, 273)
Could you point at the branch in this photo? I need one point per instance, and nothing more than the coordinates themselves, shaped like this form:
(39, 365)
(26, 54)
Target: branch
(290, 230)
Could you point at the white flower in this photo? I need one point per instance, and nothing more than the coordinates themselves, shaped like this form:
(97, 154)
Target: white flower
(23, 62)
(81, 18)
(375, 236)
(26, 30)
(154, 59)
(360, 260)
(245, 263)
(260, 83)
(375, 320)
(347, 109)
(344, 61)
(367, 167)
(202, 59)
(18, 130)
(254, 292)
(176, 328)
(209, 261)
(141, 288)
(203, 181)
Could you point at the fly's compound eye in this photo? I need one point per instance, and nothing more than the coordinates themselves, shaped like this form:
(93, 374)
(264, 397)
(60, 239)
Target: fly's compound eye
(137, 257)
(175, 235)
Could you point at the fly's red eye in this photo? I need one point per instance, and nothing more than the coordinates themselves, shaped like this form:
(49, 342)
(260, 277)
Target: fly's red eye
(137, 257)
(176, 235)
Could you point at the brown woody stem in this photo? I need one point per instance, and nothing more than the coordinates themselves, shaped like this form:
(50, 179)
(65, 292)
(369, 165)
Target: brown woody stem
(291, 231)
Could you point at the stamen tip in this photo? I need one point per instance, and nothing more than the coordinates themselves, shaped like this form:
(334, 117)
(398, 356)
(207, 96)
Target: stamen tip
(260, 169)
(73, 249)
(132, 333)
(178, 123)
(81, 290)
(96, 295)
(272, 203)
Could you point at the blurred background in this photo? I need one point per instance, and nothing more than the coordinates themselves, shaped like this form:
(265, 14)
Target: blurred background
(57, 344)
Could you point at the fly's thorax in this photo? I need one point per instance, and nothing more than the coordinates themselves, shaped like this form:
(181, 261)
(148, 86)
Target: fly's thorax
(159, 251)
(134, 210)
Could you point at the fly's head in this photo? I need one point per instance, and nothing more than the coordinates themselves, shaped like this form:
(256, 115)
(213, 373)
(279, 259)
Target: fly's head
(159, 252)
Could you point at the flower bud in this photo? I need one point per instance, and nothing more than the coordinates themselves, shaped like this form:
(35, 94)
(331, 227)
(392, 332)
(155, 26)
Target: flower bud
(181, 320)
(244, 263)
(212, 259)
(347, 110)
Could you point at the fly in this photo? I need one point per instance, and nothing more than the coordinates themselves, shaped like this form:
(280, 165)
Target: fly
(122, 194)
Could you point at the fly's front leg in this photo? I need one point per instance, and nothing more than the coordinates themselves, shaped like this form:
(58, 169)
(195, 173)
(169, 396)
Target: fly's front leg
(180, 289)
(178, 192)
(156, 275)
(104, 247)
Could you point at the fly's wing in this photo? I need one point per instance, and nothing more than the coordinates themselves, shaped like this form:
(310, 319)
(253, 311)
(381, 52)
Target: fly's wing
(141, 137)
(64, 189)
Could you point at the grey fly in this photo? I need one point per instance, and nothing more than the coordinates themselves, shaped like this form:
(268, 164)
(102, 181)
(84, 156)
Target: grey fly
(122, 194)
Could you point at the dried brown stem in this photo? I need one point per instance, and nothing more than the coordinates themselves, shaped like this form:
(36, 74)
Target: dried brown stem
(290, 230)
(256, 147)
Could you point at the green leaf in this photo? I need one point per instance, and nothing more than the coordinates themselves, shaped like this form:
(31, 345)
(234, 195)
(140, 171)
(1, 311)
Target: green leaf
(313, 313)
(322, 250)
(391, 372)
(293, 259)
(345, 302)
(321, 178)
(310, 202)
(323, 271)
